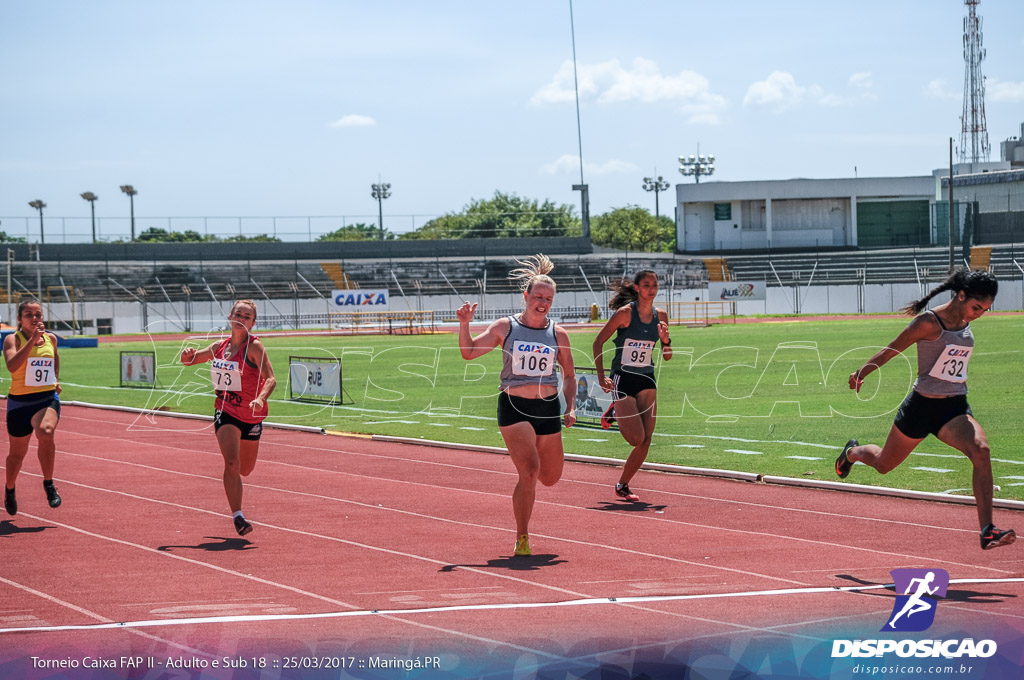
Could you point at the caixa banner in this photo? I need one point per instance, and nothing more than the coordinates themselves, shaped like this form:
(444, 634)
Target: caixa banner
(364, 299)
(736, 291)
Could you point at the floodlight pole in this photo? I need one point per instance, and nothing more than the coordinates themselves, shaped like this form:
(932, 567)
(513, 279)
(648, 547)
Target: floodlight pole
(952, 229)
(91, 197)
(39, 205)
(130, 190)
(380, 191)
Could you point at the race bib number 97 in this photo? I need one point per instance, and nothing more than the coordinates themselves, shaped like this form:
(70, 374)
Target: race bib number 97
(40, 371)
(638, 353)
(225, 375)
(951, 365)
(532, 359)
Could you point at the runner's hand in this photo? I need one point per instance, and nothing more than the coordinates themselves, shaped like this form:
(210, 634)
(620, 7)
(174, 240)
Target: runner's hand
(465, 312)
(606, 384)
(570, 417)
(187, 355)
(856, 381)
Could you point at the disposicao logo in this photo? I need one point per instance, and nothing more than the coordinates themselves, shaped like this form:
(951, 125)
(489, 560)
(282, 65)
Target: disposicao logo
(914, 610)
(917, 591)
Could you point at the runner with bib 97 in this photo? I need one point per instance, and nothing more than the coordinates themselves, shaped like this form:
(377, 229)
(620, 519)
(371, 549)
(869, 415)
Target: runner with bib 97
(937, 404)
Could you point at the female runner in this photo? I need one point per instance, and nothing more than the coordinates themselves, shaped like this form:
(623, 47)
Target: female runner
(637, 325)
(244, 380)
(33, 404)
(528, 406)
(937, 403)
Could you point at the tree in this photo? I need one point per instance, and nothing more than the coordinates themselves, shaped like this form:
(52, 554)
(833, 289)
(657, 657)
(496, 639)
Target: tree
(359, 231)
(7, 238)
(504, 216)
(634, 228)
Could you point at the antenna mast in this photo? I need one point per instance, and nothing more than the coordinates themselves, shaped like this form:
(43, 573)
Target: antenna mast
(974, 147)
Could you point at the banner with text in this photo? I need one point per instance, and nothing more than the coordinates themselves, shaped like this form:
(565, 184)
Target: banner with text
(736, 291)
(361, 299)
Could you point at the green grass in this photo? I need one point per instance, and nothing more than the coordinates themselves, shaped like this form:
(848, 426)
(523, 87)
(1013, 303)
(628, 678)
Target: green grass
(783, 386)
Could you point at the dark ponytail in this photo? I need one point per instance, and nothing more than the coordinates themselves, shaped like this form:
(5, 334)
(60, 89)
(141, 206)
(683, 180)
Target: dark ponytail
(978, 284)
(624, 291)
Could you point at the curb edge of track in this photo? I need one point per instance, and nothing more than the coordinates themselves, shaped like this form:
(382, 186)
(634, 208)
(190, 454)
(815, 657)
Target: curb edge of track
(726, 474)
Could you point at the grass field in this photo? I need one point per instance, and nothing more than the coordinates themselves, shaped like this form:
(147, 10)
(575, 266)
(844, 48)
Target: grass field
(769, 398)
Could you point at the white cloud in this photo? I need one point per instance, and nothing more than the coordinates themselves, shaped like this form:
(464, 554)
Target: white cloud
(1001, 91)
(780, 92)
(861, 80)
(570, 163)
(777, 93)
(940, 89)
(353, 120)
(611, 83)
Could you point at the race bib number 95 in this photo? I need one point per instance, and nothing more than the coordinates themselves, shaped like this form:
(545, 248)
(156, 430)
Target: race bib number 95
(637, 352)
(225, 375)
(39, 371)
(951, 365)
(532, 359)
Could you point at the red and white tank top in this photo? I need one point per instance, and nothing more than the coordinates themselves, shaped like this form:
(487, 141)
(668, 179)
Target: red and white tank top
(237, 382)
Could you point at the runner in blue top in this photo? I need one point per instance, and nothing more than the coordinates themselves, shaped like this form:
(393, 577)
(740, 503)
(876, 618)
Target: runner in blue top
(937, 404)
(529, 413)
(637, 325)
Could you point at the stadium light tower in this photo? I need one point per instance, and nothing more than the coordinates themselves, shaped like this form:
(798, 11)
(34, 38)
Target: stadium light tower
(39, 205)
(130, 190)
(381, 190)
(657, 186)
(91, 197)
(696, 166)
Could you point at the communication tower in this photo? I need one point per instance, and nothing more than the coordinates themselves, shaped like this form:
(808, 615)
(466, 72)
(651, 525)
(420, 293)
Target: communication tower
(974, 147)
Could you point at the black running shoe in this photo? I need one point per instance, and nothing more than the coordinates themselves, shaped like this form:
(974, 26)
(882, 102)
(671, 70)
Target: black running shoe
(608, 419)
(843, 463)
(241, 526)
(993, 538)
(52, 497)
(623, 491)
(10, 502)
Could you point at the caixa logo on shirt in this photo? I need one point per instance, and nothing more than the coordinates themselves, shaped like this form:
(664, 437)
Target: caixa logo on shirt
(917, 593)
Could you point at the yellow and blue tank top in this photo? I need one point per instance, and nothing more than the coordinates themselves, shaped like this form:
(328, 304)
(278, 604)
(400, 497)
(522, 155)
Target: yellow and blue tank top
(38, 371)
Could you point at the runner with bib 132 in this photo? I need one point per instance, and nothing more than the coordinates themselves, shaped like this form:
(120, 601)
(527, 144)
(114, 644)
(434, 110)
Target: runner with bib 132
(937, 405)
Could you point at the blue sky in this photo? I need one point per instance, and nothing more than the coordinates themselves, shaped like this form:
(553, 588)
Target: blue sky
(294, 108)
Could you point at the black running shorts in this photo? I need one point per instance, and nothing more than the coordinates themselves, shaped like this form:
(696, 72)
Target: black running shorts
(629, 384)
(21, 409)
(920, 416)
(545, 415)
(250, 431)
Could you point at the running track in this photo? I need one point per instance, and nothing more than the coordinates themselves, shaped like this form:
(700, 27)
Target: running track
(407, 551)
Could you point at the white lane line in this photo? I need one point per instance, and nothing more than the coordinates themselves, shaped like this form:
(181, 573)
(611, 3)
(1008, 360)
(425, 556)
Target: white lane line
(931, 469)
(582, 439)
(104, 621)
(635, 516)
(803, 457)
(502, 473)
(584, 602)
(257, 579)
(377, 507)
(689, 446)
(745, 452)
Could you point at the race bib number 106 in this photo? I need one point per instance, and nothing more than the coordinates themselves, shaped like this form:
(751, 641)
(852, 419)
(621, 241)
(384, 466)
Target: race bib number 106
(532, 359)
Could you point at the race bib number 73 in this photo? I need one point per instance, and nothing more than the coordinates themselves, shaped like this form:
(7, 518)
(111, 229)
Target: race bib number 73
(225, 375)
(951, 365)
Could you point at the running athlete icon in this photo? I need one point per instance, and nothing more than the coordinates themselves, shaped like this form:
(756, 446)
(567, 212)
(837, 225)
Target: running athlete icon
(917, 603)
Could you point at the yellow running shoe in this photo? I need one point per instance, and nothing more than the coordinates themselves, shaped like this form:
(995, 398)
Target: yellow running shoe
(523, 545)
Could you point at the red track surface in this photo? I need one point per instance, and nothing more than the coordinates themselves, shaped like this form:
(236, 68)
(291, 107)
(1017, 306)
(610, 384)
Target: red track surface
(352, 525)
